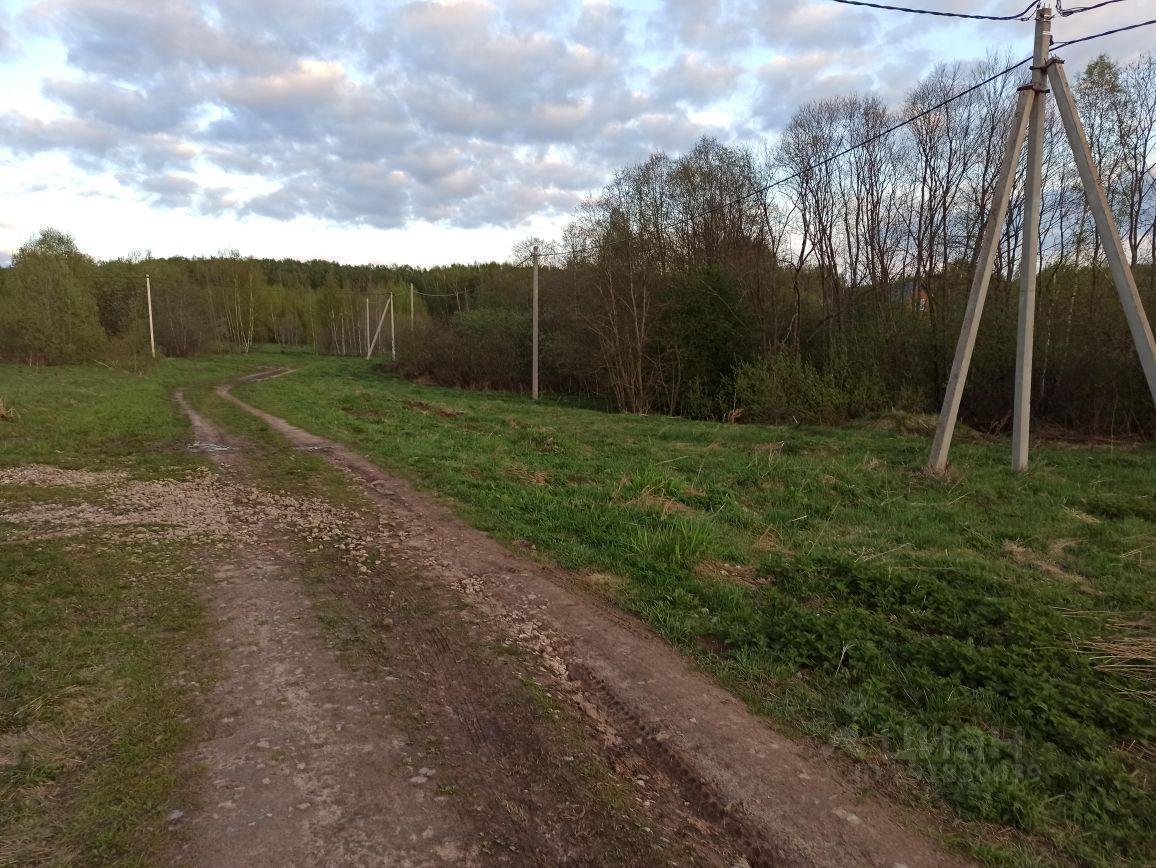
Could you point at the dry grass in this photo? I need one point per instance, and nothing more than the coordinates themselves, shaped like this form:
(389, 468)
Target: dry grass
(1131, 656)
(1080, 516)
(433, 409)
(1145, 751)
(770, 448)
(951, 474)
(735, 574)
(607, 584)
(651, 500)
(769, 540)
(7, 413)
(1128, 651)
(1027, 557)
(1058, 437)
(534, 477)
(904, 423)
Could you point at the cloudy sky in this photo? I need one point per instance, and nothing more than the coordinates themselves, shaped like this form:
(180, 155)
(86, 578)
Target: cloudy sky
(421, 132)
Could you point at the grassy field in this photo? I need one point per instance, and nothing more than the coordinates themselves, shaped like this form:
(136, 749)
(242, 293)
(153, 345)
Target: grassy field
(102, 641)
(977, 641)
(981, 638)
(94, 417)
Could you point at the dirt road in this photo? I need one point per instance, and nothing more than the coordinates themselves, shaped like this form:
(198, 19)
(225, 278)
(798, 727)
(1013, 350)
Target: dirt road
(440, 742)
(500, 715)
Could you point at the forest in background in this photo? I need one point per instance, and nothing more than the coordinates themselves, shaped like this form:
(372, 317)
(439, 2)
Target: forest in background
(686, 288)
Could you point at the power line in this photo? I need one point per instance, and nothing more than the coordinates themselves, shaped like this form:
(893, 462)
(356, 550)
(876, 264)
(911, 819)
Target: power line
(186, 281)
(1021, 16)
(1078, 9)
(865, 142)
(440, 294)
(758, 191)
(313, 292)
(870, 139)
(1135, 26)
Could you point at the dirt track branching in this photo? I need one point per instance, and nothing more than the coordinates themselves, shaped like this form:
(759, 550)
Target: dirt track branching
(971, 639)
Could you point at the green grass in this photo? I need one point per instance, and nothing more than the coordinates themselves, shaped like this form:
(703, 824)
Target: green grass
(944, 627)
(276, 464)
(101, 641)
(91, 712)
(93, 417)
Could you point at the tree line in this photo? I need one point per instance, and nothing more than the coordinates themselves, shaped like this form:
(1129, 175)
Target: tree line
(785, 282)
(794, 282)
(58, 305)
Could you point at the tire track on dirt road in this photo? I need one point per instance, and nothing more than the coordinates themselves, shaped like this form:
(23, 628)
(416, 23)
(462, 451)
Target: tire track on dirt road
(302, 758)
(783, 802)
(430, 748)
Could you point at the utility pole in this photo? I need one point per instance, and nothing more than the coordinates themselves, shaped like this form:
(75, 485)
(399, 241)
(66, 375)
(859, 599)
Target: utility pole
(411, 308)
(392, 334)
(152, 333)
(983, 269)
(380, 321)
(534, 370)
(367, 323)
(1029, 117)
(1122, 275)
(1026, 330)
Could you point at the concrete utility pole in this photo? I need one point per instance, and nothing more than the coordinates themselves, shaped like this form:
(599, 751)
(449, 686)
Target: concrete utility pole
(380, 322)
(1031, 105)
(1025, 341)
(392, 333)
(411, 308)
(1105, 225)
(367, 322)
(534, 370)
(152, 333)
(987, 252)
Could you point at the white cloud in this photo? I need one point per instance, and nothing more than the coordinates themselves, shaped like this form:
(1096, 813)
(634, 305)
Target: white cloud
(236, 116)
(6, 42)
(696, 80)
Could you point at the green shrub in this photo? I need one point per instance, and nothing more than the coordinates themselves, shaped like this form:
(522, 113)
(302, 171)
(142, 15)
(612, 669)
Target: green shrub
(786, 389)
(46, 312)
(484, 349)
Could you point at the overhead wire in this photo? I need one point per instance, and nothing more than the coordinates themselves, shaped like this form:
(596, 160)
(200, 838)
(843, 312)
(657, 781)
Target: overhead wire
(160, 284)
(758, 191)
(1060, 10)
(1019, 16)
(1112, 32)
(976, 16)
